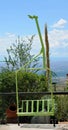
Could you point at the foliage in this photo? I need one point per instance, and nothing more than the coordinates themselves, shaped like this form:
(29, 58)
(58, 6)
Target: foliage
(7, 81)
(62, 107)
(27, 81)
(33, 82)
(19, 54)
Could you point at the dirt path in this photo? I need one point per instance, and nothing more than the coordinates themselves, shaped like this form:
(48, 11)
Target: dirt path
(16, 127)
(34, 127)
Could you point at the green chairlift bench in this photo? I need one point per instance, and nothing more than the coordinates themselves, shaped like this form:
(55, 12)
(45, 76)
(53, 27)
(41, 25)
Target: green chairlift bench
(43, 107)
(29, 108)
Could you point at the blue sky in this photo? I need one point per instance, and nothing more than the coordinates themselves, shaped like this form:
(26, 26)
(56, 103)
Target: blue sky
(14, 21)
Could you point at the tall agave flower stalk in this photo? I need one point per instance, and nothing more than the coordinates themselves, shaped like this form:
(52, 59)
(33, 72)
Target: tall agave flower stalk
(47, 56)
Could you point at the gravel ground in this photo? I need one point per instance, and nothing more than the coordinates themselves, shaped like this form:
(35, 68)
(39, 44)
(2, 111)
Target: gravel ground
(34, 127)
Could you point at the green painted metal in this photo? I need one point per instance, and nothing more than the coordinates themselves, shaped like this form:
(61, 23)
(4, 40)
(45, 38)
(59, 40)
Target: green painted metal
(47, 104)
(48, 110)
(42, 51)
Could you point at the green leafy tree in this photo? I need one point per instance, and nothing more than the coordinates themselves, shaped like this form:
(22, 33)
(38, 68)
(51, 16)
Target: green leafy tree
(19, 54)
(7, 81)
(27, 81)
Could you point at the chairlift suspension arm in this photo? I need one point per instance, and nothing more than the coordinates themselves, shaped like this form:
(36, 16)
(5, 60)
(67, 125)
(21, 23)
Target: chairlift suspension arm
(41, 40)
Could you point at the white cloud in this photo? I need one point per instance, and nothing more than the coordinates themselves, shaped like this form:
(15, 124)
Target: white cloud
(36, 46)
(5, 42)
(58, 41)
(60, 23)
(8, 39)
(57, 38)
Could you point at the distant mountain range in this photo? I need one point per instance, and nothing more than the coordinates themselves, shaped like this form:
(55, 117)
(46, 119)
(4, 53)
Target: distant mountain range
(58, 65)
